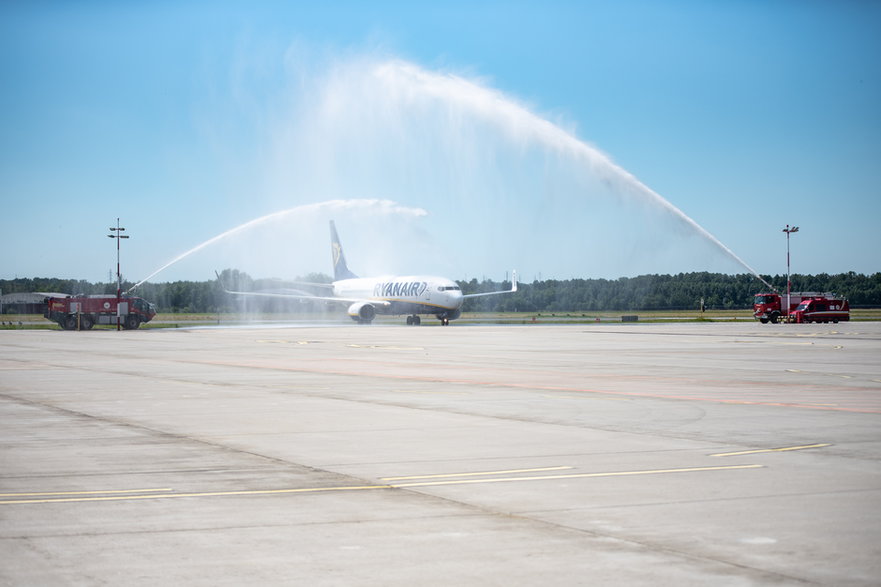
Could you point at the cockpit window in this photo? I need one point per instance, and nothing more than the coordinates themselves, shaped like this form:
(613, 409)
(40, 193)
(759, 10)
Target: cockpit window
(448, 288)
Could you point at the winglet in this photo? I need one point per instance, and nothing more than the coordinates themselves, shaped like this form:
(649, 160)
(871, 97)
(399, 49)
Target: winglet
(495, 293)
(220, 281)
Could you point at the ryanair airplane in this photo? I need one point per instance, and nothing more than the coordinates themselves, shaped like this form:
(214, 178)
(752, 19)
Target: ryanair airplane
(409, 295)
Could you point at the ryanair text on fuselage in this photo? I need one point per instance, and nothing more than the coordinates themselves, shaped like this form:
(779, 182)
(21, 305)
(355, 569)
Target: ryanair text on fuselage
(396, 289)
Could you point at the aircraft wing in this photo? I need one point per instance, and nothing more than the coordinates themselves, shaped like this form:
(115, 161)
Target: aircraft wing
(495, 293)
(293, 295)
(305, 296)
(311, 284)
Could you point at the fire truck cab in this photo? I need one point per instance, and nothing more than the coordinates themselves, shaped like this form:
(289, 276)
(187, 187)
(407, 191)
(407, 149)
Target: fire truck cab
(772, 307)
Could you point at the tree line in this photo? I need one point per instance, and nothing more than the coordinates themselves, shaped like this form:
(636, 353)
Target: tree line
(669, 292)
(645, 292)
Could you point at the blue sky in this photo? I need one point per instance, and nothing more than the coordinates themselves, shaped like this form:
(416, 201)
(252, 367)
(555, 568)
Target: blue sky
(487, 125)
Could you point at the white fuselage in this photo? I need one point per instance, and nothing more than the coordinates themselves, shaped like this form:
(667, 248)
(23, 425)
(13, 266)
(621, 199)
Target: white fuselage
(403, 294)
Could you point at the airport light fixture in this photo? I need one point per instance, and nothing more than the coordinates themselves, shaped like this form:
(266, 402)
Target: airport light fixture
(788, 231)
(117, 234)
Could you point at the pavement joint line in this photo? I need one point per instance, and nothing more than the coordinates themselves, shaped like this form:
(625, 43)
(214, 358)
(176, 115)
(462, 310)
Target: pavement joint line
(762, 450)
(250, 492)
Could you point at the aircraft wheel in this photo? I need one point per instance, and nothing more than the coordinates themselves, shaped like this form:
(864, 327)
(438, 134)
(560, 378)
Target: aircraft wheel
(417, 320)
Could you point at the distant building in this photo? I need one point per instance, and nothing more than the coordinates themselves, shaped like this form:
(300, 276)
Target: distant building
(26, 302)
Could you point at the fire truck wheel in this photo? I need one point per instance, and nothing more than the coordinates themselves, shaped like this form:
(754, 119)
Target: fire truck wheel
(85, 323)
(763, 320)
(69, 323)
(773, 318)
(132, 322)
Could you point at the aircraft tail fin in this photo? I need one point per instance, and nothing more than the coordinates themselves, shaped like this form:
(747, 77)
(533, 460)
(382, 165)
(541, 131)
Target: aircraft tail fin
(340, 270)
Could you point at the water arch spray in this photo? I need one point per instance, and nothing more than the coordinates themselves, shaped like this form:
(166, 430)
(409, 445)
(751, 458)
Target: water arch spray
(407, 82)
(391, 127)
(369, 206)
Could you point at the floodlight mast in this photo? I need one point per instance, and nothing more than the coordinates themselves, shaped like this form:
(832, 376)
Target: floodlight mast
(788, 231)
(117, 234)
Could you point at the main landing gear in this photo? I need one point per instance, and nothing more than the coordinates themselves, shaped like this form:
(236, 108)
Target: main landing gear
(415, 320)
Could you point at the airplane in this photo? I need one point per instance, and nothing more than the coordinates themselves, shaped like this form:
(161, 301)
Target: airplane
(394, 294)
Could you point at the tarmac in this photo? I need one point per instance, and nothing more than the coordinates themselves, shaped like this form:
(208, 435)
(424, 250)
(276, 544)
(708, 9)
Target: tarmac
(626, 454)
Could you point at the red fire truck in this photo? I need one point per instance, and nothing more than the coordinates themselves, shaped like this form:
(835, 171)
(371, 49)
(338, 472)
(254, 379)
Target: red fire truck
(770, 307)
(83, 312)
(822, 309)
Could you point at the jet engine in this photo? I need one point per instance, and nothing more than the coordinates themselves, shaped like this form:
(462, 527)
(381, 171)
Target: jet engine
(362, 312)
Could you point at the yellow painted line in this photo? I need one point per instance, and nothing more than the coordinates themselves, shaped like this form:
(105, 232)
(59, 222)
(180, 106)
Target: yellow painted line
(105, 492)
(752, 452)
(577, 476)
(373, 487)
(508, 472)
(201, 494)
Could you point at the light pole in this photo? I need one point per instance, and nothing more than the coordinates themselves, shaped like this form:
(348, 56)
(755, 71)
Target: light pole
(788, 231)
(117, 234)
